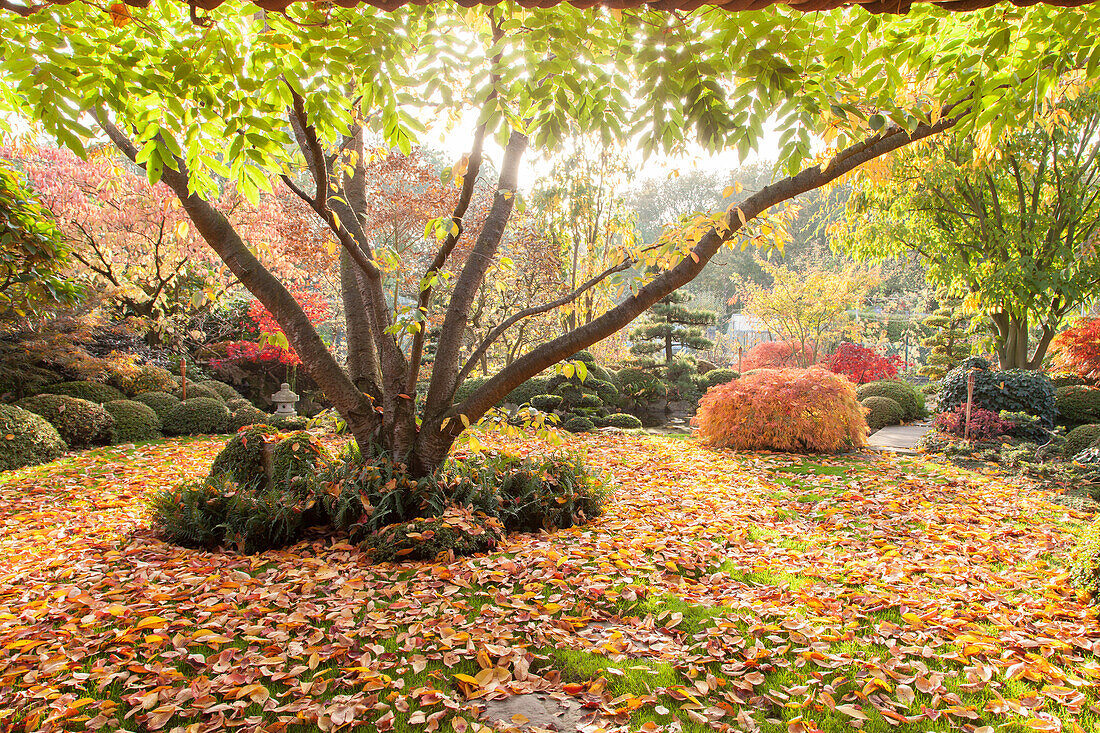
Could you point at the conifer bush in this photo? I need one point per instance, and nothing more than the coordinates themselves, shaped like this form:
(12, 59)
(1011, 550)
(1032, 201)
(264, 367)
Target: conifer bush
(795, 410)
(80, 423)
(244, 457)
(33, 440)
(1077, 405)
(624, 421)
(1084, 436)
(197, 390)
(296, 459)
(717, 376)
(247, 415)
(134, 421)
(225, 391)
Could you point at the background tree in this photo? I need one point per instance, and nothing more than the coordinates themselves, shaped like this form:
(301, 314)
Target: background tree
(1077, 349)
(671, 326)
(949, 343)
(33, 255)
(1015, 233)
(807, 309)
(163, 90)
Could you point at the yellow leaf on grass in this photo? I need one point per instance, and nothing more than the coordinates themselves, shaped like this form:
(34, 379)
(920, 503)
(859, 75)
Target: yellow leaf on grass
(150, 621)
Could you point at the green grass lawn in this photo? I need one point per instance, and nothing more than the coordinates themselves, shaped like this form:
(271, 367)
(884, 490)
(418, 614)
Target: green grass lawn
(719, 591)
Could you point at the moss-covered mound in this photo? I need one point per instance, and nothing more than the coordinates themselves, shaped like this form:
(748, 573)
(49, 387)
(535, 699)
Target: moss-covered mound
(90, 391)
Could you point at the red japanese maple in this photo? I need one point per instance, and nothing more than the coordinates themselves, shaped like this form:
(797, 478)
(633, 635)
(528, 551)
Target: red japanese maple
(1077, 350)
(861, 364)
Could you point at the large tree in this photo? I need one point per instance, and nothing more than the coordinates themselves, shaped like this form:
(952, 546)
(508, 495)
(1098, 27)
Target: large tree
(230, 96)
(1016, 233)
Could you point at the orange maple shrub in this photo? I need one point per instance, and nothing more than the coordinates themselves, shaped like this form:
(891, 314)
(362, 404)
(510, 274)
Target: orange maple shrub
(795, 410)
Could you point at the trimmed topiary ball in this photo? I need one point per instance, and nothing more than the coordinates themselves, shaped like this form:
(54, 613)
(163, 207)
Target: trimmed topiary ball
(134, 421)
(902, 393)
(197, 390)
(79, 422)
(237, 403)
(244, 457)
(225, 391)
(882, 411)
(524, 393)
(160, 402)
(197, 416)
(247, 415)
(624, 421)
(546, 402)
(1080, 438)
(288, 422)
(90, 391)
(717, 376)
(579, 424)
(1077, 405)
(296, 459)
(26, 439)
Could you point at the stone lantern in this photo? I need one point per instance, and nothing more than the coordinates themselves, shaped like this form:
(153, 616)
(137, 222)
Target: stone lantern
(284, 400)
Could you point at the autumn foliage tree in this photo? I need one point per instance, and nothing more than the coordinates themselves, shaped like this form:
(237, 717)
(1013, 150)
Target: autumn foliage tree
(1077, 350)
(132, 241)
(797, 410)
(806, 308)
(861, 364)
(166, 94)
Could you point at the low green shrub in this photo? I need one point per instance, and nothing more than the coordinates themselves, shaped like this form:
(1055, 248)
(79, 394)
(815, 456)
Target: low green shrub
(546, 402)
(718, 376)
(246, 415)
(225, 391)
(198, 390)
(134, 421)
(26, 439)
(197, 416)
(583, 356)
(237, 403)
(588, 400)
(624, 421)
(161, 402)
(1077, 405)
(216, 512)
(468, 387)
(579, 424)
(525, 494)
(640, 387)
(455, 533)
(903, 393)
(1025, 426)
(245, 456)
(79, 422)
(90, 391)
(882, 411)
(1084, 567)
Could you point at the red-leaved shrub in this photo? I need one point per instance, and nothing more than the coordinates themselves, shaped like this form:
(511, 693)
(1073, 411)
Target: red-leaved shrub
(776, 355)
(1077, 350)
(796, 410)
(862, 365)
(984, 424)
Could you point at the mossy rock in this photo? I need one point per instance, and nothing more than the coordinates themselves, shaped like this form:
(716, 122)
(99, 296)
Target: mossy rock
(197, 416)
(160, 402)
(26, 439)
(296, 459)
(134, 421)
(247, 415)
(90, 391)
(245, 456)
(80, 423)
